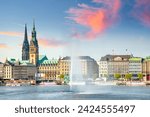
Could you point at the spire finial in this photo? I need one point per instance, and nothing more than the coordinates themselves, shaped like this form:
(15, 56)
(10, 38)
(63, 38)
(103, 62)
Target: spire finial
(25, 34)
(34, 24)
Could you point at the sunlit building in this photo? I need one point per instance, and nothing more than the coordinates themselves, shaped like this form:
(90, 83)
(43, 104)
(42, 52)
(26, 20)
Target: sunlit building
(146, 69)
(1, 70)
(86, 65)
(112, 64)
(15, 69)
(135, 66)
(48, 68)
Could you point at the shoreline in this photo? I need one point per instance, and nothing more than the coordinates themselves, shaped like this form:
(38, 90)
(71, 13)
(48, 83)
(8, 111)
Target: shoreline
(112, 83)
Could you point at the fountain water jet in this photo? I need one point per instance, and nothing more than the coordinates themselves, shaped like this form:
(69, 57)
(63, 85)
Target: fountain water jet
(76, 76)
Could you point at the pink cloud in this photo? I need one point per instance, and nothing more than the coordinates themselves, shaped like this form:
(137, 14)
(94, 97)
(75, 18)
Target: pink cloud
(15, 34)
(96, 19)
(2, 45)
(142, 11)
(51, 42)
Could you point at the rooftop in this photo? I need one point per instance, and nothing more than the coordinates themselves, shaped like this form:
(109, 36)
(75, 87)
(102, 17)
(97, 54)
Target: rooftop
(50, 62)
(111, 57)
(135, 59)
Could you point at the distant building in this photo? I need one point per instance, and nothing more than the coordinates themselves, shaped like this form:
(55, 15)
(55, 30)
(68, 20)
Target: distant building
(146, 69)
(103, 67)
(34, 48)
(65, 65)
(8, 69)
(1, 70)
(48, 69)
(30, 51)
(19, 70)
(113, 64)
(135, 66)
(86, 65)
(24, 70)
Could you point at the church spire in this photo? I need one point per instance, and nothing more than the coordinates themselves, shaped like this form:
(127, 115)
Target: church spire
(33, 24)
(34, 48)
(25, 47)
(25, 34)
(34, 39)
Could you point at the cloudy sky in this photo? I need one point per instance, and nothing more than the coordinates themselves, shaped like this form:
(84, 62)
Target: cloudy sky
(80, 27)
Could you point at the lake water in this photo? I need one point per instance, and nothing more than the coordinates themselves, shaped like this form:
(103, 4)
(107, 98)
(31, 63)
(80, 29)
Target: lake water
(93, 92)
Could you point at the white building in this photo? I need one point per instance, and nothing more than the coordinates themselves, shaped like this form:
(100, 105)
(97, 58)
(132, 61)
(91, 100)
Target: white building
(112, 64)
(135, 66)
(84, 64)
(103, 68)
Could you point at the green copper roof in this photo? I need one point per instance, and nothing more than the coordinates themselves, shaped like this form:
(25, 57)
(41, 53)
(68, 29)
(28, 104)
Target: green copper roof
(12, 60)
(135, 59)
(147, 58)
(42, 58)
(52, 61)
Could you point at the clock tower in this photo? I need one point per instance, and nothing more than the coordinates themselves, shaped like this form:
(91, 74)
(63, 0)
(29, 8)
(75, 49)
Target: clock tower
(34, 48)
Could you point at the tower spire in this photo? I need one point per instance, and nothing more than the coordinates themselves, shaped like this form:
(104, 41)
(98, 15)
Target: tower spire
(33, 24)
(25, 47)
(34, 48)
(25, 34)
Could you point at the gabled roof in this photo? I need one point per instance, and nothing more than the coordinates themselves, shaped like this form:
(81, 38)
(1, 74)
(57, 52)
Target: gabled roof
(42, 58)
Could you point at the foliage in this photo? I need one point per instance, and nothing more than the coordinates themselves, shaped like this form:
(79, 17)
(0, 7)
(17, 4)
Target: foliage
(128, 76)
(66, 79)
(117, 76)
(61, 76)
(140, 76)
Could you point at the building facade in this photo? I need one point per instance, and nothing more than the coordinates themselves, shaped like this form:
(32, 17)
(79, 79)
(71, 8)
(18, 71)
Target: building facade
(1, 70)
(24, 70)
(103, 67)
(113, 64)
(84, 65)
(15, 69)
(135, 66)
(48, 69)
(146, 69)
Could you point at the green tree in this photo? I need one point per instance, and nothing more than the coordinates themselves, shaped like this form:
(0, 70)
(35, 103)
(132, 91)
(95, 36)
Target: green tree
(66, 79)
(140, 76)
(61, 76)
(117, 76)
(128, 76)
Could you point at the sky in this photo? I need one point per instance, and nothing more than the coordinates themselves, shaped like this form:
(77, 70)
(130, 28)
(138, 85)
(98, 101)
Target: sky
(76, 27)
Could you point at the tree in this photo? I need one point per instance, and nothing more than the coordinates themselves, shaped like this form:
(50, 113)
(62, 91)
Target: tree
(140, 76)
(61, 76)
(128, 76)
(117, 76)
(66, 79)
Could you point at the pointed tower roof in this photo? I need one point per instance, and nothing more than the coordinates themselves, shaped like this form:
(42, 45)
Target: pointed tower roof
(34, 39)
(33, 24)
(25, 42)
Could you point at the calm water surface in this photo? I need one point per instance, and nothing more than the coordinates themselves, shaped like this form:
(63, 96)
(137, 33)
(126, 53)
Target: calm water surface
(76, 93)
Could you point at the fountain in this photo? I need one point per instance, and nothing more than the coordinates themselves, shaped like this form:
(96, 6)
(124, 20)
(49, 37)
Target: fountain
(76, 76)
